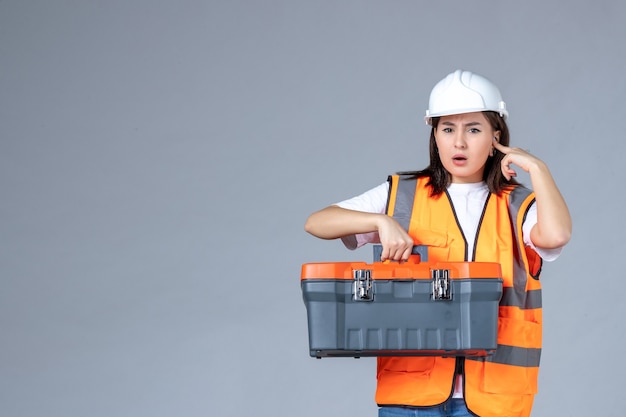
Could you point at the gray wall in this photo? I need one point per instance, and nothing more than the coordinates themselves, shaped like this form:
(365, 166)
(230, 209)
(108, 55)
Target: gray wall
(158, 160)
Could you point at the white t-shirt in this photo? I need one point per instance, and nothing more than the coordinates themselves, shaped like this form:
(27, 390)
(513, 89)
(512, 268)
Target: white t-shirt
(468, 201)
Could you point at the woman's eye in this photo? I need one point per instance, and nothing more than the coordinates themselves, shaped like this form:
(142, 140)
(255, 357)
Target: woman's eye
(474, 130)
(447, 130)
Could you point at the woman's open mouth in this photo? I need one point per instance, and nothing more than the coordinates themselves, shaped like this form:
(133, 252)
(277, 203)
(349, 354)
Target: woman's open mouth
(459, 160)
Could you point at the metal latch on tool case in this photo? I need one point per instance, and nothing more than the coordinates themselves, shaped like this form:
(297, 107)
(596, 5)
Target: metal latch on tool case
(362, 289)
(441, 284)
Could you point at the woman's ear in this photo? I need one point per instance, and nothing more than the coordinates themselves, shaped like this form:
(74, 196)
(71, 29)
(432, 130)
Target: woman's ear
(496, 137)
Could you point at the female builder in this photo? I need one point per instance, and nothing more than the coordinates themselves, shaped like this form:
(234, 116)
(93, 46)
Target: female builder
(466, 206)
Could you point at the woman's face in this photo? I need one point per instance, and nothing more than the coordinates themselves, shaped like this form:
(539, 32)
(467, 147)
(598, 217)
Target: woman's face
(464, 142)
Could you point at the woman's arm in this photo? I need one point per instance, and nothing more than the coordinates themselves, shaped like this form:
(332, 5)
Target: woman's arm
(334, 222)
(554, 223)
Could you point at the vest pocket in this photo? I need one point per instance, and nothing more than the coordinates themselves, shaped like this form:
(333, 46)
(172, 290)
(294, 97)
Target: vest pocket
(438, 242)
(514, 367)
(420, 365)
(505, 379)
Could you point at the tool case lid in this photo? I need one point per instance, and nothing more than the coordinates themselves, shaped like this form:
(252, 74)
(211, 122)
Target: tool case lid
(411, 269)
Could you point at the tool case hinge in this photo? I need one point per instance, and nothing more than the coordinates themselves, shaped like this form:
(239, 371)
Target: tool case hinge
(441, 284)
(362, 288)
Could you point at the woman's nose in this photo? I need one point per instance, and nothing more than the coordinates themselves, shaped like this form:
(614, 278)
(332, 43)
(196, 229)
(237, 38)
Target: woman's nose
(459, 141)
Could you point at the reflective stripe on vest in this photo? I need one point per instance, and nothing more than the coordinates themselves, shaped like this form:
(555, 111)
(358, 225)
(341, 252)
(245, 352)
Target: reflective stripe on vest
(530, 300)
(512, 355)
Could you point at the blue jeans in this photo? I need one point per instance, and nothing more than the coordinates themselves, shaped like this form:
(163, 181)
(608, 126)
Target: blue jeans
(454, 407)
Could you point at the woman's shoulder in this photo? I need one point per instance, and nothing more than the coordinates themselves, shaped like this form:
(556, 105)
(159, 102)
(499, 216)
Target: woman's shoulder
(411, 175)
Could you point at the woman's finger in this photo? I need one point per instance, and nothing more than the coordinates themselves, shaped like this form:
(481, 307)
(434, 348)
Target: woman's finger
(507, 171)
(407, 253)
(501, 147)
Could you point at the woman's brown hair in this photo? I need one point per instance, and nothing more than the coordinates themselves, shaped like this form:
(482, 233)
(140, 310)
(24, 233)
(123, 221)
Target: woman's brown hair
(440, 177)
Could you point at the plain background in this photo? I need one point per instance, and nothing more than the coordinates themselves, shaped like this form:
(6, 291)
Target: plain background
(158, 160)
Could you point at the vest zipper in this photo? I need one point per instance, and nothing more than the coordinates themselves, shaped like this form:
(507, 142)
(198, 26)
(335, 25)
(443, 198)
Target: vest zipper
(480, 223)
(458, 224)
(478, 227)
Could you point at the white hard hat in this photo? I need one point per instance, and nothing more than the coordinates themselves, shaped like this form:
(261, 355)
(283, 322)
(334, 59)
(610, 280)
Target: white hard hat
(464, 92)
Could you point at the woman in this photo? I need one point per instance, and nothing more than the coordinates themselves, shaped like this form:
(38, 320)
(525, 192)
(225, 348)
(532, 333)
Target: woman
(466, 206)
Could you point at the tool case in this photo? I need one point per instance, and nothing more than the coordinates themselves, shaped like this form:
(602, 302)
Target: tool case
(414, 308)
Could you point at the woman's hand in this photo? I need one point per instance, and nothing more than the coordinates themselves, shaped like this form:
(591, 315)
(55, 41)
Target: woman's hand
(396, 242)
(334, 222)
(554, 223)
(515, 156)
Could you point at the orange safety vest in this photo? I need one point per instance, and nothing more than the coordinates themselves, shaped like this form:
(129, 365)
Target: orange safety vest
(500, 385)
